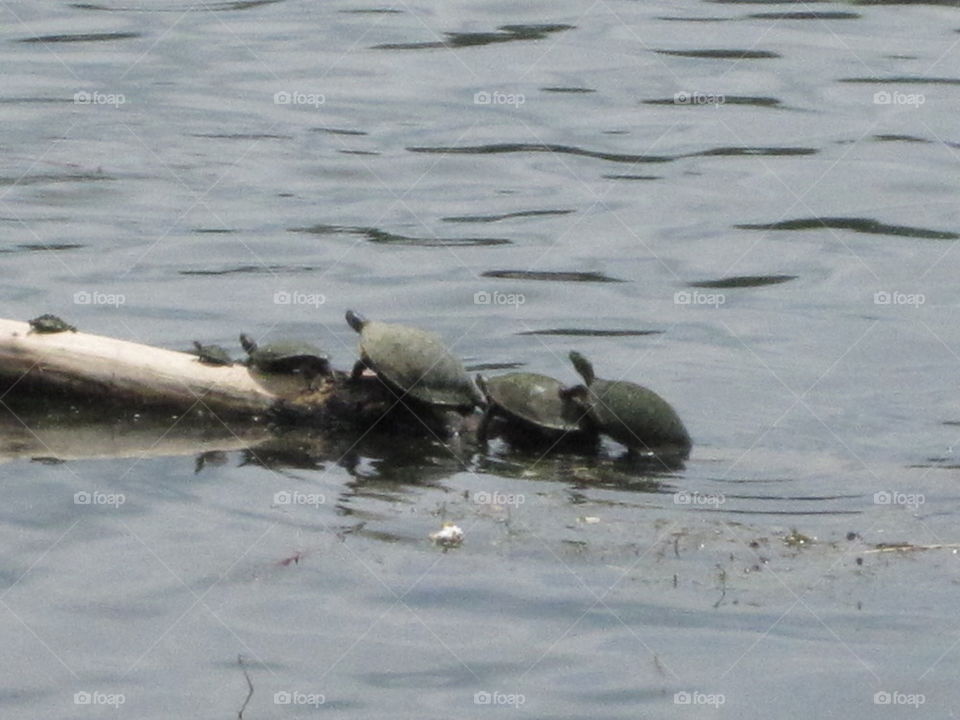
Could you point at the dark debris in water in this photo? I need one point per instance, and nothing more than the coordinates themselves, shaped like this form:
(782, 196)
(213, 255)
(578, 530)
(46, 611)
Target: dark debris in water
(505, 33)
(498, 148)
(505, 216)
(721, 54)
(548, 275)
(743, 281)
(797, 539)
(376, 235)
(586, 332)
(861, 225)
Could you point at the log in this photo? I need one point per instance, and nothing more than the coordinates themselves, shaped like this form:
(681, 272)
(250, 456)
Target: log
(78, 363)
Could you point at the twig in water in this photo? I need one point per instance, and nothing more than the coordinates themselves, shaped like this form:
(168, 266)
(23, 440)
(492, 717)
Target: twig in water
(249, 686)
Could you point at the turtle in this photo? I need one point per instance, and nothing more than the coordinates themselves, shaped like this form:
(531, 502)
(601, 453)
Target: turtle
(413, 362)
(530, 401)
(629, 413)
(47, 324)
(212, 354)
(287, 357)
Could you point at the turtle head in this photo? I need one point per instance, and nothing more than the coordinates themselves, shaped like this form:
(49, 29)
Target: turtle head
(582, 366)
(248, 343)
(356, 320)
(577, 394)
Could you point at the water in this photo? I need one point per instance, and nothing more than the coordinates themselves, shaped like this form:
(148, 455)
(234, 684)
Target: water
(749, 207)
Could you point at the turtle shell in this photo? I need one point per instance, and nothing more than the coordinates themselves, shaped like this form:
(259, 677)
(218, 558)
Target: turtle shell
(417, 363)
(287, 356)
(634, 415)
(212, 354)
(629, 413)
(50, 324)
(533, 399)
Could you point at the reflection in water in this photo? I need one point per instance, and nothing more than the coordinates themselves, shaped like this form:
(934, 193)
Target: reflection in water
(509, 33)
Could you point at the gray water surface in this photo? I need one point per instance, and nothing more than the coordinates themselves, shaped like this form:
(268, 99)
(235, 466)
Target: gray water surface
(750, 207)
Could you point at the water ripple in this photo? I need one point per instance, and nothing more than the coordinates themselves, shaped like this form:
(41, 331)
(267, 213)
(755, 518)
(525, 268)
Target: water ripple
(737, 281)
(860, 225)
(382, 236)
(548, 275)
(507, 33)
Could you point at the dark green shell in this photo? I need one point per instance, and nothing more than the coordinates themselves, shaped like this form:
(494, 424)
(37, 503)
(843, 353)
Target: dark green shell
(532, 399)
(415, 362)
(629, 413)
(50, 324)
(286, 356)
(212, 354)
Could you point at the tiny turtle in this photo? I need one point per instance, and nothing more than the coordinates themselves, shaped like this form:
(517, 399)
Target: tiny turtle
(287, 357)
(414, 363)
(46, 324)
(629, 413)
(531, 401)
(212, 354)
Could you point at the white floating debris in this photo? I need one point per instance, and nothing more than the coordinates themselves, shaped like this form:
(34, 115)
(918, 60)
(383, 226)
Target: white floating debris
(589, 520)
(448, 536)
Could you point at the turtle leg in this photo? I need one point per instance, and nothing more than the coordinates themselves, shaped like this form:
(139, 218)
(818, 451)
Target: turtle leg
(484, 426)
(358, 369)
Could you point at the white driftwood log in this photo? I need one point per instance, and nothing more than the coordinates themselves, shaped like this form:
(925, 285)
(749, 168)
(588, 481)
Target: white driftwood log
(125, 371)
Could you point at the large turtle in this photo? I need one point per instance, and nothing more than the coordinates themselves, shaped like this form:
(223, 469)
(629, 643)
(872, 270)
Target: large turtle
(47, 324)
(212, 354)
(413, 362)
(531, 402)
(287, 357)
(629, 413)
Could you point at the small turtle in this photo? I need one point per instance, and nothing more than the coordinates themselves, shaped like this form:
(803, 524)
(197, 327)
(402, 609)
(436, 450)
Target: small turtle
(47, 324)
(531, 401)
(287, 357)
(414, 363)
(629, 413)
(212, 354)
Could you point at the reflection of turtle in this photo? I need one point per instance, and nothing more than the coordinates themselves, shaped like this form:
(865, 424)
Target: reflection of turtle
(413, 362)
(48, 323)
(530, 401)
(627, 412)
(287, 357)
(212, 354)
